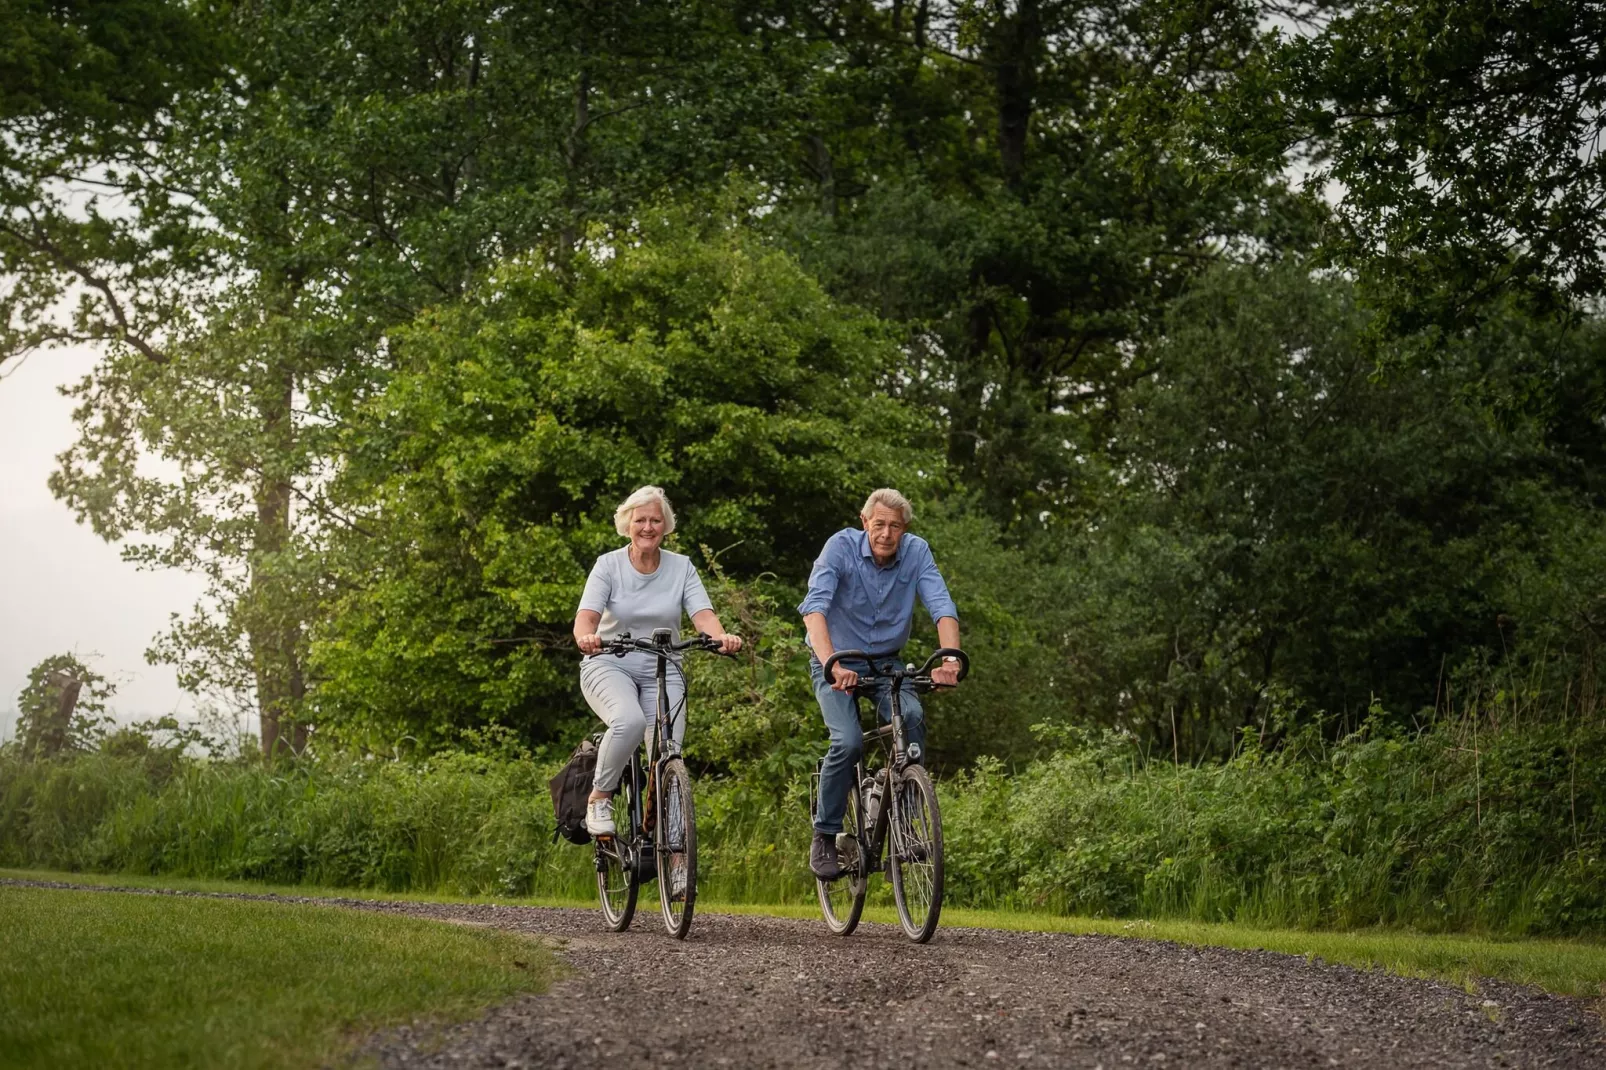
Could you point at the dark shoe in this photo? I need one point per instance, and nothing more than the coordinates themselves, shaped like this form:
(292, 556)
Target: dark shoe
(823, 861)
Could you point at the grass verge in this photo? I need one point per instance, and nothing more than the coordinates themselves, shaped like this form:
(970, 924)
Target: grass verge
(1565, 967)
(197, 884)
(157, 981)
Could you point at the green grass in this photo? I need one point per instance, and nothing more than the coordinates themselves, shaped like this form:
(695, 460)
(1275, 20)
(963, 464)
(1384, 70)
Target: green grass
(155, 981)
(1566, 967)
(198, 884)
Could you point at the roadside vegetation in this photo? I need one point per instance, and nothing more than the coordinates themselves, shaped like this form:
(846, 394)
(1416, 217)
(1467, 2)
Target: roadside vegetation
(92, 979)
(1430, 829)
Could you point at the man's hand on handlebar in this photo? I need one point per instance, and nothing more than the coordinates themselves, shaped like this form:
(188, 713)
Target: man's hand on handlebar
(946, 674)
(843, 679)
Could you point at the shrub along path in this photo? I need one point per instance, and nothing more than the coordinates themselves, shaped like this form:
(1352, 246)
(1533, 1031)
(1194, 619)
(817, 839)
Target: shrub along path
(748, 991)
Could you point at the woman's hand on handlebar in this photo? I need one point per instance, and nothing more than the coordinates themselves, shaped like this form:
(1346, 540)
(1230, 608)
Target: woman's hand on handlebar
(589, 644)
(728, 643)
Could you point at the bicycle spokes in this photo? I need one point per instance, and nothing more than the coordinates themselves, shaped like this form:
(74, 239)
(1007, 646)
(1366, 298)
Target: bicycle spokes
(676, 848)
(915, 854)
(617, 883)
(618, 875)
(842, 900)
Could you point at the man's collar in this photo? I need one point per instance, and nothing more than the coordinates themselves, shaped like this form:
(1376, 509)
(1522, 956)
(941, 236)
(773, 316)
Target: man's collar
(865, 551)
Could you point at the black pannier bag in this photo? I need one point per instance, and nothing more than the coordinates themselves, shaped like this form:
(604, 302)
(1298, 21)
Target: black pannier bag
(570, 790)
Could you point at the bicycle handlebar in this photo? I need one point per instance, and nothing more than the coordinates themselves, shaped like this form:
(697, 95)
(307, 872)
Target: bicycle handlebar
(920, 676)
(661, 642)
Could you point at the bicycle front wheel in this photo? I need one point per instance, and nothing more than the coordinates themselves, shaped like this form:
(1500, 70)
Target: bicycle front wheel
(676, 836)
(915, 835)
(617, 879)
(842, 900)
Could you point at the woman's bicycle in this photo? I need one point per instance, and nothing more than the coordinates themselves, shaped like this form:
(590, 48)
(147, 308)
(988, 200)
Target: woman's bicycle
(894, 808)
(652, 808)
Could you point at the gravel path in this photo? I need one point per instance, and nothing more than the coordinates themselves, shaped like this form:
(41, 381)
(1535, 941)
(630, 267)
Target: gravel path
(769, 992)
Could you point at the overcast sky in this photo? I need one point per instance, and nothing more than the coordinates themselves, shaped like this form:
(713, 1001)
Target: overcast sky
(61, 588)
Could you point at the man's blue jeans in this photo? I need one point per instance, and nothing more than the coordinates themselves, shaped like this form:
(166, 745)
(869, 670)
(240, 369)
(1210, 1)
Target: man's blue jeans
(847, 737)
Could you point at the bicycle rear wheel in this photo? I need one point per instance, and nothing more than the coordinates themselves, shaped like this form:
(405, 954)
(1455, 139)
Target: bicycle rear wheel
(617, 879)
(842, 900)
(915, 846)
(676, 837)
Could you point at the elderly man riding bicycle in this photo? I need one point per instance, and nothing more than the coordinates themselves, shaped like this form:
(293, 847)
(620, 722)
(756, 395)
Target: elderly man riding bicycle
(861, 596)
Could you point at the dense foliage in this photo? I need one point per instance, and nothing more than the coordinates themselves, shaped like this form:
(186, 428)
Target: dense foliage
(488, 469)
(1446, 828)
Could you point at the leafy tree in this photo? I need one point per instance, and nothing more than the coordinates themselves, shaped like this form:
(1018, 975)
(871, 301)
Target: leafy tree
(354, 164)
(483, 478)
(62, 708)
(1462, 140)
(1286, 527)
(974, 174)
(86, 88)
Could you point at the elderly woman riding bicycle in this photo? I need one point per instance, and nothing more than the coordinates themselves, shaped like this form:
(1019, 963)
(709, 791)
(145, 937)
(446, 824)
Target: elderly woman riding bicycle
(636, 589)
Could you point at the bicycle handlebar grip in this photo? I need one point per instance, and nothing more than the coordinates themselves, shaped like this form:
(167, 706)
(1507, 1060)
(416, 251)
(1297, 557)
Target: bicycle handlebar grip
(947, 652)
(831, 661)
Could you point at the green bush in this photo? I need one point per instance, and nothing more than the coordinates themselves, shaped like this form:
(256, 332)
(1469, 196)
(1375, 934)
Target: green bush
(1436, 829)
(1459, 826)
(454, 823)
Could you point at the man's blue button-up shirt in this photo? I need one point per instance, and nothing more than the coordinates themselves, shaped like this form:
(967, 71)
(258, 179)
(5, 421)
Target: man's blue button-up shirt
(868, 607)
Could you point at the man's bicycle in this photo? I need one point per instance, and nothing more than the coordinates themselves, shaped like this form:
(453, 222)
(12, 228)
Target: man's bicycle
(652, 810)
(894, 808)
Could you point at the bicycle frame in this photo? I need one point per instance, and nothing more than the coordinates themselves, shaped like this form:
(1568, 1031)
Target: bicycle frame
(872, 836)
(636, 848)
(644, 841)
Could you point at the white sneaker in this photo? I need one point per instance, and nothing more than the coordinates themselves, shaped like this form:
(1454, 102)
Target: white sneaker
(599, 817)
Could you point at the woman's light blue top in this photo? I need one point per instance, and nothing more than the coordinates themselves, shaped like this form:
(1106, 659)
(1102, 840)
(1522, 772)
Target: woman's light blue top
(638, 603)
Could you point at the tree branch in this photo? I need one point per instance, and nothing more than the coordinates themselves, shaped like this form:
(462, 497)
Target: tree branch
(125, 332)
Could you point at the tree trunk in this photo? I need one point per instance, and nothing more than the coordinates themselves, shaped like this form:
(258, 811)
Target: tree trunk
(573, 161)
(275, 631)
(53, 740)
(970, 381)
(1017, 46)
(821, 152)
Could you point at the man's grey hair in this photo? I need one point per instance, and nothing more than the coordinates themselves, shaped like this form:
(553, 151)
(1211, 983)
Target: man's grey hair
(638, 498)
(892, 500)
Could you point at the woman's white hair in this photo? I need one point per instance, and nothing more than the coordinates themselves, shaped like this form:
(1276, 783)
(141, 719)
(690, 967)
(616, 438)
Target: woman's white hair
(638, 498)
(892, 500)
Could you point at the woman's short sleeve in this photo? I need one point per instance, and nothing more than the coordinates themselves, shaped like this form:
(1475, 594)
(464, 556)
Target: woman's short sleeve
(599, 586)
(693, 597)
